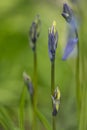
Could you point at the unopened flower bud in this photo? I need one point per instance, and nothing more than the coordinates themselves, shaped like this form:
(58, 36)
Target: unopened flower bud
(28, 83)
(56, 101)
(34, 32)
(52, 41)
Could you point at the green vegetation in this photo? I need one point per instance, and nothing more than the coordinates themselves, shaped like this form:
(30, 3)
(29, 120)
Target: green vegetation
(16, 57)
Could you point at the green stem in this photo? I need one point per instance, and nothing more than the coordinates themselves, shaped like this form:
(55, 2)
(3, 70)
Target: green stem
(43, 119)
(34, 102)
(78, 76)
(85, 108)
(83, 117)
(52, 89)
(82, 123)
(35, 78)
(54, 123)
(84, 91)
(52, 77)
(21, 109)
(83, 113)
(33, 127)
(5, 120)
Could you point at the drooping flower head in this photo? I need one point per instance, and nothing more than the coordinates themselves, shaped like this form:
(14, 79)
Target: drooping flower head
(34, 31)
(69, 16)
(67, 13)
(52, 41)
(56, 101)
(28, 83)
(73, 34)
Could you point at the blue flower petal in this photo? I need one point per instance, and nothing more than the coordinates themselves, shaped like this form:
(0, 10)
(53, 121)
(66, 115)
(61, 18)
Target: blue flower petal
(52, 44)
(73, 23)
(69, 47)
(67, 13)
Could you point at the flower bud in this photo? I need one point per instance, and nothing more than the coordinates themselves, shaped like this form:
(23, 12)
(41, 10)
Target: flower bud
(52, 41)
(34, 32)
(28, 83)
(56, 101)
(67, 13)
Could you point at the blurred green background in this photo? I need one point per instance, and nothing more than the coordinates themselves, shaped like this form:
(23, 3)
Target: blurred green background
(16, 57)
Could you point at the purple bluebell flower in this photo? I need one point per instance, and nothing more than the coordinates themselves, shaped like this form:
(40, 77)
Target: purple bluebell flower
(73, 34)
(67, 13)
(34, 32)
(52, 41)
(69, 16)
(28, 83)
(69, 47)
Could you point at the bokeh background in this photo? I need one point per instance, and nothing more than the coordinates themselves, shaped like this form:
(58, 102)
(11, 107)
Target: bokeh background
(16, 57)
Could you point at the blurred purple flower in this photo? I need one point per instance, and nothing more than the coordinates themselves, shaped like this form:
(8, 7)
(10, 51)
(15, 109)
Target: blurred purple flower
(28, 82)
(67, 13)
(69, 47)
(34, 31)
(52, 41)
(73, 34)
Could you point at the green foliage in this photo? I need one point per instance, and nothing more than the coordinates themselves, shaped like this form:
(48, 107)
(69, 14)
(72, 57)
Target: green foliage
(16, 57)
(5, 120)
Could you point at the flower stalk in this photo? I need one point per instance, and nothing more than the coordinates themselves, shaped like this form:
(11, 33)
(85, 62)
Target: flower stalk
(34, 33)
(69, 17)
(34, 105)
(21, 109)
(30, 88)
(83, 112)
(52, 90)
(52, 45)
(78, 87)
(35, 78)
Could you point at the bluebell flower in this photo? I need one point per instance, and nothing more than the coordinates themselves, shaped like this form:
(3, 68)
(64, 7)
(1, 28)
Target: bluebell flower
(28, 83)
(72, 34)
(34, 32)
(52, 41)
(67, 13)
(69, 16)
(56, 101)
(69, 47)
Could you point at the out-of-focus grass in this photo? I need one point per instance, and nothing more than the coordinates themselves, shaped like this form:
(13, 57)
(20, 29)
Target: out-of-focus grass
(16, 57)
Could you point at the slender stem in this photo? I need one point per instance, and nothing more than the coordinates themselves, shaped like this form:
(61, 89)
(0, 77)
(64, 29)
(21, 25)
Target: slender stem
(52, 77)
(54, 124)
(35, 78)
(86, 109)
(78, 76)
(81, 114)
(84, 98)
(53, 88)
(34, 102)
(34, 120)
(83, 119)
(42, 118)
(21, 109)
(78, 80)
(84, 91)
(83, 111)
